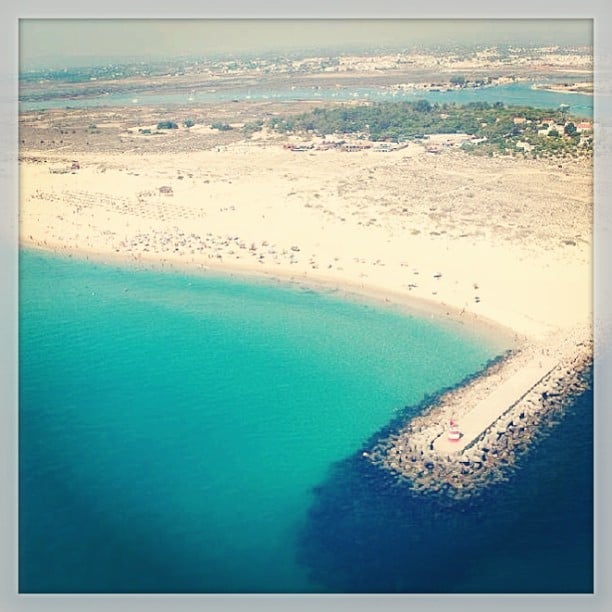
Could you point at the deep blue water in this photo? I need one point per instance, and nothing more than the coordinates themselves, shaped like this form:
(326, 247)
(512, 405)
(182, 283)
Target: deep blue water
(205, 434)
(530, 534)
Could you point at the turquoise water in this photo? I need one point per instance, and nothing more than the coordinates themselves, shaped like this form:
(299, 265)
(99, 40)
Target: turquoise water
(176, 432)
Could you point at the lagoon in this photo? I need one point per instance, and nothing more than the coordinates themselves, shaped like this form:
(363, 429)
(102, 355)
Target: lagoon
(521, 93)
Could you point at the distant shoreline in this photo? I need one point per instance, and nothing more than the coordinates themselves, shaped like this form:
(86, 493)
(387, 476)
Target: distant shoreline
(326, 94)
(563, 90)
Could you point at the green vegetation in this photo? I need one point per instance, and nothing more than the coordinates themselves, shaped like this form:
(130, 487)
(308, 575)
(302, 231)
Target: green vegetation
(251, 127)
(189, 123)
(570, 129)
(494, 128)
(457, 79)
(222, 127)
(167, 125)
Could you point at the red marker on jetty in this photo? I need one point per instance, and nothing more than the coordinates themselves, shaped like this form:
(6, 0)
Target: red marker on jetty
(454, 434)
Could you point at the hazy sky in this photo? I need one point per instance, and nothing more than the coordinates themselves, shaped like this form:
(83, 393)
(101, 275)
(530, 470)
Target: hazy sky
(56, 42)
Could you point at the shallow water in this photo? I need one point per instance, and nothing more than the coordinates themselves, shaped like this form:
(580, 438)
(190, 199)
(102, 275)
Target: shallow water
(203, 434)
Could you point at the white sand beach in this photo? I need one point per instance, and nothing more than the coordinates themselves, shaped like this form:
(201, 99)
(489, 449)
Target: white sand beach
(503, 240)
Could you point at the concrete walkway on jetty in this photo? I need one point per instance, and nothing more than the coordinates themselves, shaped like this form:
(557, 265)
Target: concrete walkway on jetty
(501, 399)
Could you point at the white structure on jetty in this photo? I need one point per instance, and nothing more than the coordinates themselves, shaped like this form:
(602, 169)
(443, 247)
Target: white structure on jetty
(501, 399)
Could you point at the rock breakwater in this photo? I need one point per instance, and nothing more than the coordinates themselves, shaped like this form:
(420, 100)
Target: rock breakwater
(412, 455)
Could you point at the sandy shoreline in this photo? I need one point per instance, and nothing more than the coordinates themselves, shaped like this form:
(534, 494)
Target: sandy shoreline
(408, 224)
(494, 334)
(499, 246)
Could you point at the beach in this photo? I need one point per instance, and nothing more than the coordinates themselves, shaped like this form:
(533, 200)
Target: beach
(505, 240)
(304, 307)
(500, 244)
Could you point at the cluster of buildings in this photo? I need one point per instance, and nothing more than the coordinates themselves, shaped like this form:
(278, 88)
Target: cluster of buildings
(347, 147)
(553, 127)
(436, 143)
(550, 124)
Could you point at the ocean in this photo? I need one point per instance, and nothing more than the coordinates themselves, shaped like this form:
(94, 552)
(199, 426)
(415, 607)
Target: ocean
(205, 434)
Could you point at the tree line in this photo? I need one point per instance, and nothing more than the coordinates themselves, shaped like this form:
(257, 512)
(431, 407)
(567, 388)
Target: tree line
(500, 127)
(407, 120)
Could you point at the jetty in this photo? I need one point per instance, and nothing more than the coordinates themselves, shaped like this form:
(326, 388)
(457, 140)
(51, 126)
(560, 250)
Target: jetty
(471, 436)
(490, 409)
